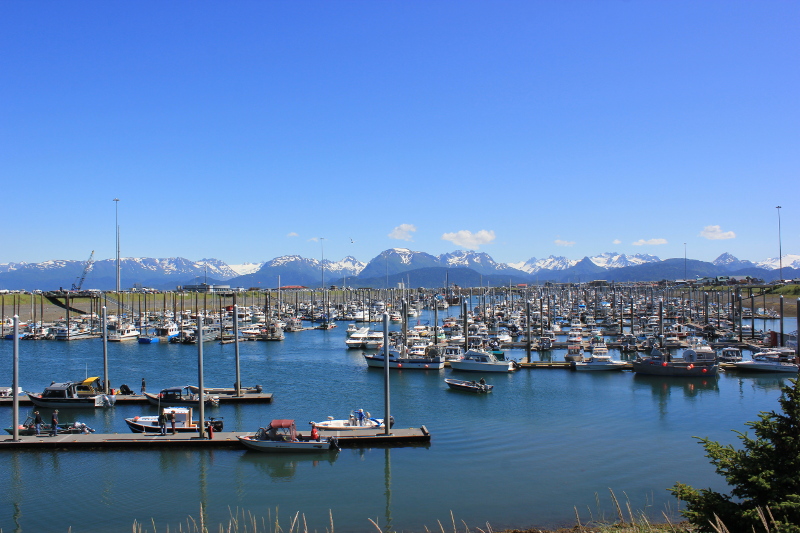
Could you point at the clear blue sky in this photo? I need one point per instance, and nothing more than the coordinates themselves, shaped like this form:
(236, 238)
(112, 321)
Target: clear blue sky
(242, 130)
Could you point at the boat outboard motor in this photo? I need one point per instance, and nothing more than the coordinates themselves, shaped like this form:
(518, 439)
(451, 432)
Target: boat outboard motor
(259, 389)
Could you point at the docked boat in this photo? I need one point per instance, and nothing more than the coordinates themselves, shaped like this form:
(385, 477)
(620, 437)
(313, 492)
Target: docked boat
(226, 390)
(72, 394)
(124, 332)
(691, 365)
(769, 361)
(73, 333)
(469, 386)
(480, 361)
(183, 422)
(358, 419)
(398, 361)
(598, 362)
(281, 437)
(29, 428)
(180, 396)
(730, 354)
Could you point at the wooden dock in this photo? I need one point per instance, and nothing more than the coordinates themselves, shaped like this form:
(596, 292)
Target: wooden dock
(225, 439)
(227, 399)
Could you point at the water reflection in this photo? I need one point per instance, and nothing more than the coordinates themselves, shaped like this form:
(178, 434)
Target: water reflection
(760, 382)
(283, 467)
(662, 387)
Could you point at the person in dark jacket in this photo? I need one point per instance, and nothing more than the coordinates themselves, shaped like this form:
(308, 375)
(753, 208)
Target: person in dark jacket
(54, 424)
(37, 422)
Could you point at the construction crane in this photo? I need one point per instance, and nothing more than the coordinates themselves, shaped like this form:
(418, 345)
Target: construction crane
(87, 267)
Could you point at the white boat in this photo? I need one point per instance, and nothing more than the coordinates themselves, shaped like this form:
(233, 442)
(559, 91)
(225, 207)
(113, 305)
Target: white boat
(364, 338)
(398, 361)
(730, 354)
(598, 362)
(480, 361)
(73, 333)
(124, 332)
(769, 361)
(183, 422)
(358, 419)
(281, 437)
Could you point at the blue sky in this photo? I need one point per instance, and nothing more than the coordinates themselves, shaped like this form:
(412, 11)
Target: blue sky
(248, 130)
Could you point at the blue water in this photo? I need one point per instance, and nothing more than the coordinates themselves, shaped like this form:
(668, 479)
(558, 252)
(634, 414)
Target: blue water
(544, 442)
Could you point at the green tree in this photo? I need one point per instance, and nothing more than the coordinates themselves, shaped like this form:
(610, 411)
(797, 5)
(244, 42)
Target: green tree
(764, 475)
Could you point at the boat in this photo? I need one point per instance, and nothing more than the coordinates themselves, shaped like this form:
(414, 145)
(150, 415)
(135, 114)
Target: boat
(70, 394)
(281, 437)
(598, 362)
(124, 332)
(480, 361)
(469, 386)
(730, 354)
(691, 365)
(148, 339)
(183, 422)
(180, 396)
(768, 361)
(432, 361)
(29, 428)
(358, 419)
(226, 390)
(73, 333)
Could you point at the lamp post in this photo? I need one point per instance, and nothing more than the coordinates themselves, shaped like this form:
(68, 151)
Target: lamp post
(684, 261)
(780, 247)
(116, 221)
(322, 262)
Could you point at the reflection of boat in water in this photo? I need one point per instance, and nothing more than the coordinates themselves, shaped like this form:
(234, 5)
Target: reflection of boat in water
(282, 466)
(666, 385)
(281, 437)
(358, 419)
(70, 394)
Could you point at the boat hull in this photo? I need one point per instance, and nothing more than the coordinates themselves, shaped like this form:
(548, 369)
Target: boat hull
(750, 366)
(406, 363)
(674, 369)
(468, 386)
(472, 366)
(104, 400)
(270, 446)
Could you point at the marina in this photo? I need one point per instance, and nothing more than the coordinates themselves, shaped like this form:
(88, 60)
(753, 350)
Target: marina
(527, 425)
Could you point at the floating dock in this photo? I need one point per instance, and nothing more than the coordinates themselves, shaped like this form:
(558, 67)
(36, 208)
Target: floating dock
(226, 399)
(225, 439)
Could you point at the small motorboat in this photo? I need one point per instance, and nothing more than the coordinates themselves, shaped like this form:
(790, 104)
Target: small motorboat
(183, 422)
(281, 437)
(180, 396)
(768, 361)
(480, 361)
(469, 386)
(358, 419)
(29, 428)
(598, 362)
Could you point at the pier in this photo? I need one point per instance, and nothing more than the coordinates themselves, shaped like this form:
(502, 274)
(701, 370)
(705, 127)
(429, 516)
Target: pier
(223, 440)
(227, 399)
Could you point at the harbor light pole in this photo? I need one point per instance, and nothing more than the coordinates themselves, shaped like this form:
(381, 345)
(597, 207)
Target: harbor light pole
(684, 261)
(116, 221)
(780, 247)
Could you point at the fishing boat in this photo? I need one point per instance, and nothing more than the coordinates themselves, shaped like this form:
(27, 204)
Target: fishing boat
(480, 361)
(281, 437)
(124, 332)
(180, 396)
(358, 419)
(768, 361)
(691, 365)
(598, 362)
(730, 354)
(183, 422)
(71, 394)
(469, 386)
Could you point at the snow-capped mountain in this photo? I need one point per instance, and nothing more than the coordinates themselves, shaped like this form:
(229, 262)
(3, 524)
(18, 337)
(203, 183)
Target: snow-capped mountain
(246, 268)
(533, 265)
(731, 263)
(615, 260)
(480, 262)
(773, 263)
(606, 260)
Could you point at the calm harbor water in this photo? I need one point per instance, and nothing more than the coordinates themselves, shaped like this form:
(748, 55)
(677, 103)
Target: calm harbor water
(543, 442)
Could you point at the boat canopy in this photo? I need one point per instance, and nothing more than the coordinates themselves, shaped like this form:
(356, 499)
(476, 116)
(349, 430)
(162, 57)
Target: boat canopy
(281, 424)
(90, 381)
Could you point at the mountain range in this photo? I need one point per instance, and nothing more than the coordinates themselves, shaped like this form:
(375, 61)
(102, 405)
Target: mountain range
(390, 267)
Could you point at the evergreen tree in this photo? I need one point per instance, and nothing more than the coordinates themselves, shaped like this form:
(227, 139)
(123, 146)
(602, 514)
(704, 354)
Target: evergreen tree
(764, 475)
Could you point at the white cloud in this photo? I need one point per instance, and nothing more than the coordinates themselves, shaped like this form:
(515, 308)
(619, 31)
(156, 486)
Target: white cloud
(313, 239)
(470, 240)
(403, 232)
(642, 242)
(559, 242)
(616, 241)
(292, 234)
(715, 233)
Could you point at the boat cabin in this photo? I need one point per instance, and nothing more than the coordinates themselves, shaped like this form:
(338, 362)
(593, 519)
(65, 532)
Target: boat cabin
(88, 387)
(279, 430)
(60, 390)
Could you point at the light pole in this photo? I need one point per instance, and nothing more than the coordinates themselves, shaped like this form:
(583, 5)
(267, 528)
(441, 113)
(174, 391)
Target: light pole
(322, 262)
(780, 247)
(116, 221)
(684, 261)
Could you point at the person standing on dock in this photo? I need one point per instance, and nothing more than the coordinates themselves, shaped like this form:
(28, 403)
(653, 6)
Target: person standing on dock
(54, 424)
(162, 422)
(37, 422)
(172, 420)
(144, 387)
